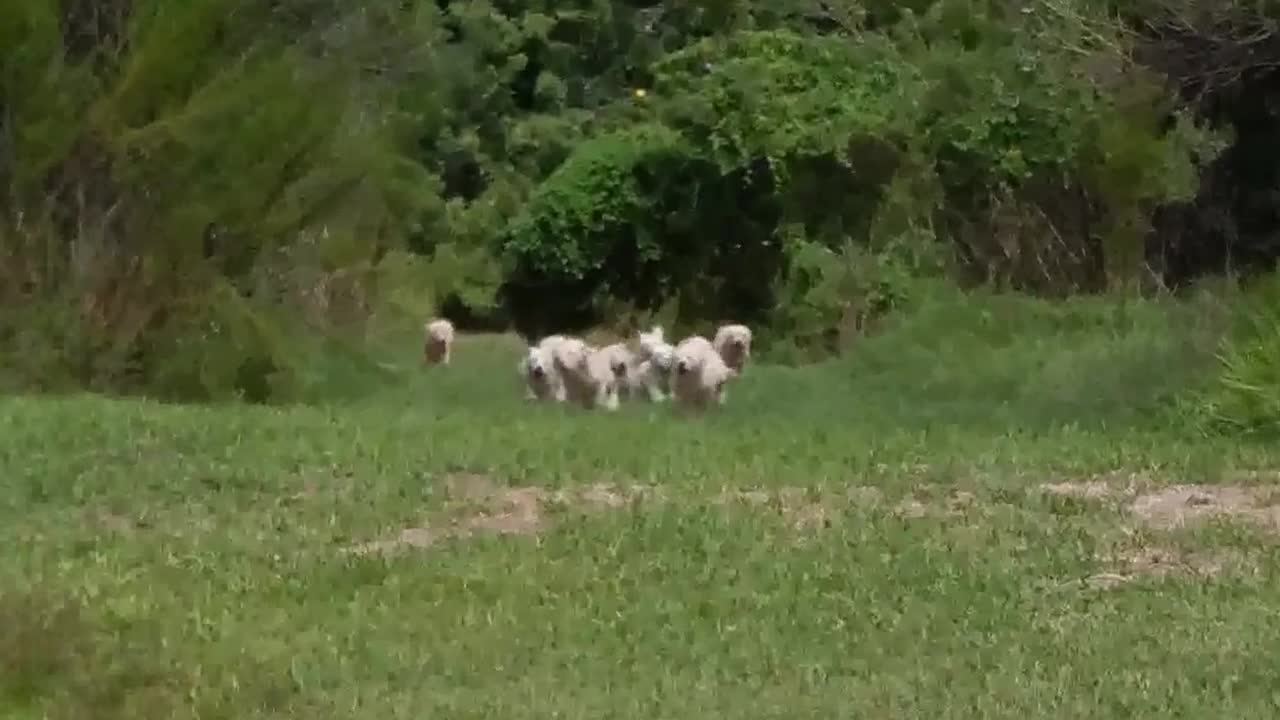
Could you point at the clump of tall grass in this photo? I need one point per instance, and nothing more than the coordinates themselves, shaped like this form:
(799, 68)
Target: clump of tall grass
(1245, 396)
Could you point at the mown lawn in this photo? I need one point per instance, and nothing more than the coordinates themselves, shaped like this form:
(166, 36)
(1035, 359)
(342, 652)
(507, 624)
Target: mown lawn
(871, 537)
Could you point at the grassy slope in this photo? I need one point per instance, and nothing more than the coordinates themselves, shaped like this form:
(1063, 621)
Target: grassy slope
(204, 543)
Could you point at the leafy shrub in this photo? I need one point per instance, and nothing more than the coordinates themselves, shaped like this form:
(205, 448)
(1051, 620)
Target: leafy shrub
(776, 95)
(689, 207)
(827, 298)
(595, 228)
(1246, 395)
(219, 346)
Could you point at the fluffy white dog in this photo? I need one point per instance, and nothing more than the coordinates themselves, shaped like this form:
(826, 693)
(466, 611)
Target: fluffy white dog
(590, 374)
(620, 359)
(542, 378)
(700, 374)
(733, 342)
(651, 377)
(650, 340)
(438, 345)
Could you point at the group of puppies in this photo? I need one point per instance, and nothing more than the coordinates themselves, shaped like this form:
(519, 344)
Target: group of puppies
(563, 368)
(694, 373)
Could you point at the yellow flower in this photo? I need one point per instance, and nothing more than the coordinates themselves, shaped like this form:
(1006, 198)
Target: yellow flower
(640, 92)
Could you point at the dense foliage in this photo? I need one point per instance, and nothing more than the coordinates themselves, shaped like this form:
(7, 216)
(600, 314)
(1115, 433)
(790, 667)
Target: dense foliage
(183, 182)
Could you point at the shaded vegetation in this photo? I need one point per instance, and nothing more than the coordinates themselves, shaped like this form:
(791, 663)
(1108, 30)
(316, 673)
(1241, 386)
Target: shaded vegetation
(183, 183)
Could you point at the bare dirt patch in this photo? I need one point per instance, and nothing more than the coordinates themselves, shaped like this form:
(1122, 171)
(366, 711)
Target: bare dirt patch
(477, 505)
(955, 503)
(802, 511)
(865, 496)
(1179, 505)
(512, 511)
(1176, 506)
(800, 508)
(1159, 562)
(1091, 490)
(746, 497)
(1163, 561)
(1102, 486)
(112, 522)
(911, 508)
(1171, 508)
(417, 537)
(805, 509)
(603, 496)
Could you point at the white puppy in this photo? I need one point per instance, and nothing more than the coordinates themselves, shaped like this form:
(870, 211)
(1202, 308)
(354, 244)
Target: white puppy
(733, 342)
(651, 377)
(649, 340)
(590, 374)
(438, 345)
(542, 379)
(692, 350)
(620, 359)
(699, 374)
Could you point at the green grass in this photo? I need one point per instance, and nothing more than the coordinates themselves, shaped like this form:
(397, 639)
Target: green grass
(171, 561)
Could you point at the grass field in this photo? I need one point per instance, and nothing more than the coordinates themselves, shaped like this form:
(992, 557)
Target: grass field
(871, 537)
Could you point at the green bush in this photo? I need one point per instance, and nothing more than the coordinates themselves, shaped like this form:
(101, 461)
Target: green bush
(577, 215)
(219, 346)
(1245, 397)
(827, 298)
(780, 152)
(688, 206)
(606, 225)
